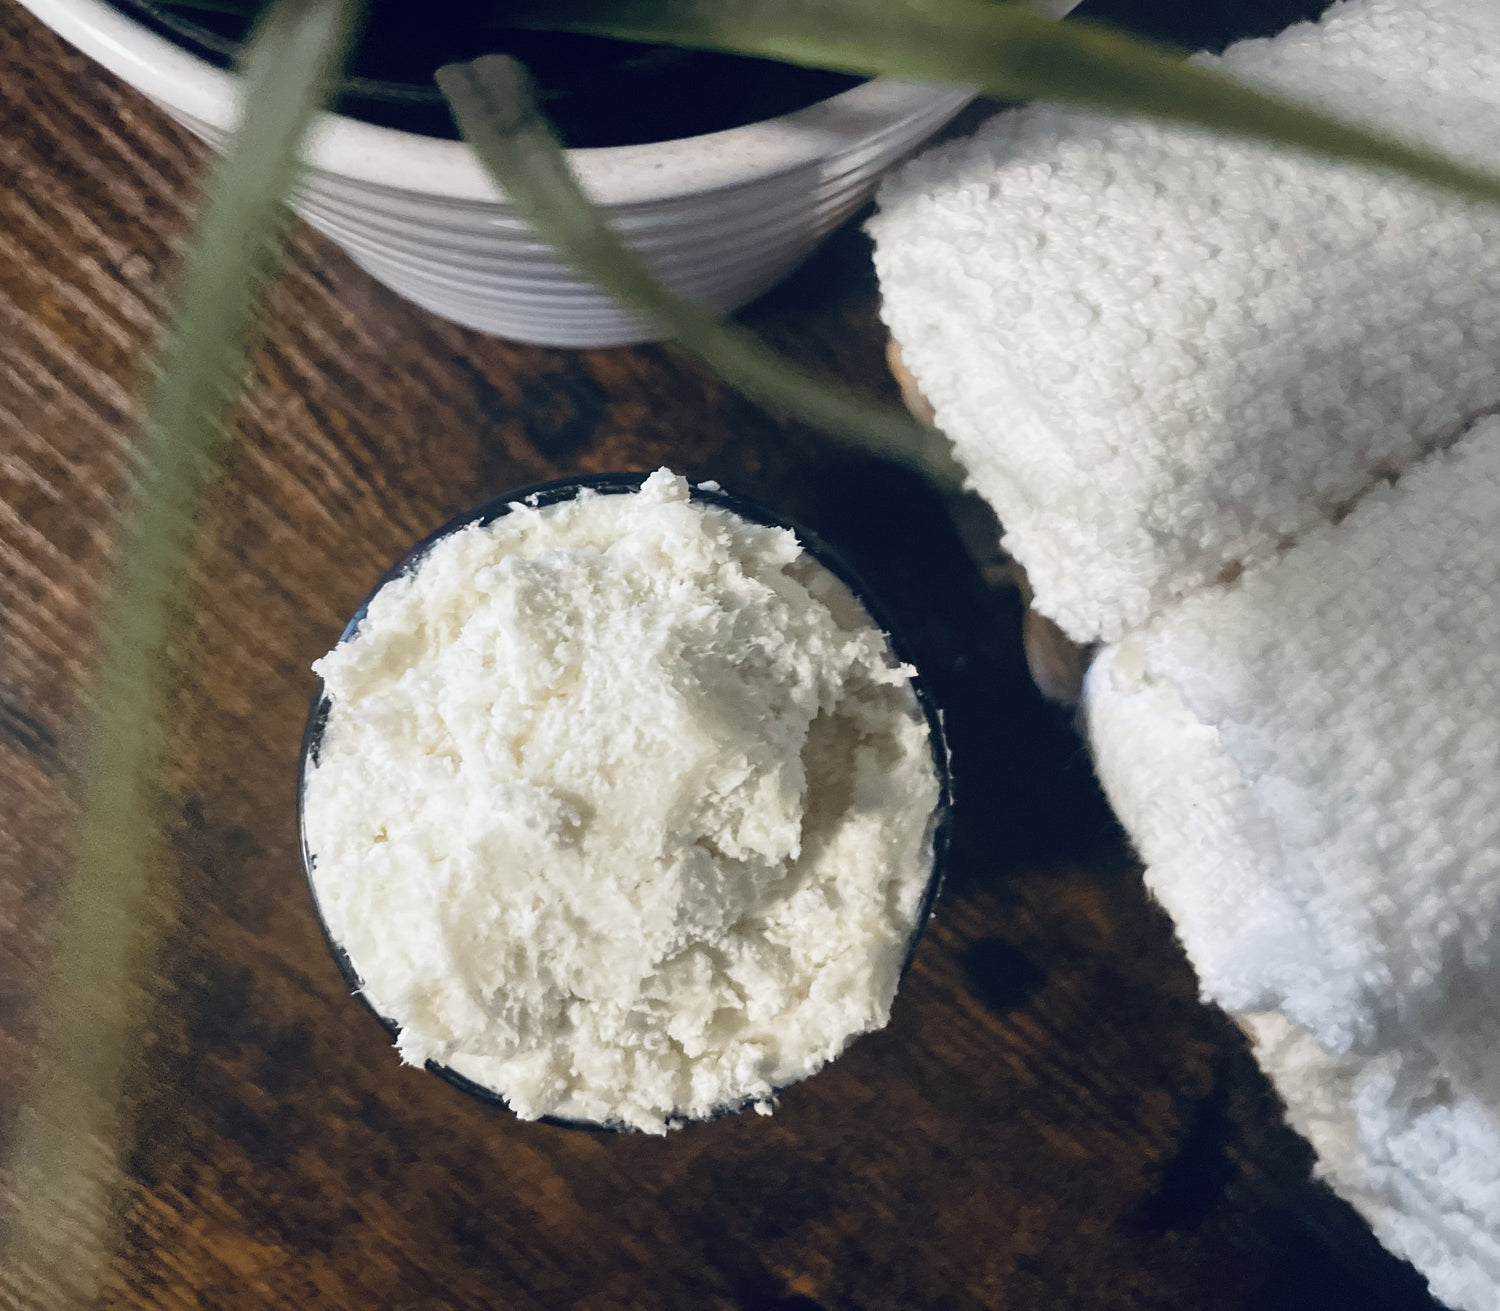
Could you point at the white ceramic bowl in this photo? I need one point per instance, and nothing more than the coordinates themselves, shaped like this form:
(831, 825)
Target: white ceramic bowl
(720, 217)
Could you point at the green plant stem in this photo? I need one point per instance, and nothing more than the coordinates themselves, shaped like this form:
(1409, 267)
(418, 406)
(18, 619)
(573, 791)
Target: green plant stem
(1007, 50)
(492, 101)
(66, 1159)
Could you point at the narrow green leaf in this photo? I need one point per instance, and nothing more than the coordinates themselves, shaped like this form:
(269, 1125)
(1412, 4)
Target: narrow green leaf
(65, 1157)
(491, 99)
(1007, 50)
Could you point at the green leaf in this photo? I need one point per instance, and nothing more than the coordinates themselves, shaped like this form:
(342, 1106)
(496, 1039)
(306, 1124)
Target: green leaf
(110, 911)
(492, 101)
(1005, 49)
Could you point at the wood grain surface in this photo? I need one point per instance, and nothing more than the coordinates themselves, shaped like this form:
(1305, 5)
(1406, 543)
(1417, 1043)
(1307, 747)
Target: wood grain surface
(1051, 1120)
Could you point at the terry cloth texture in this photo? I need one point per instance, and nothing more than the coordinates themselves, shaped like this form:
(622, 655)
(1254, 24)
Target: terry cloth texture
(1309, 762)
(1230, 407)
(1332, 721)
(1162, 355)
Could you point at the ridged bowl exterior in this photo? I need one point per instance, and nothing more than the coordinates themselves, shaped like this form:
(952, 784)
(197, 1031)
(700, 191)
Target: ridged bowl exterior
(721, 217)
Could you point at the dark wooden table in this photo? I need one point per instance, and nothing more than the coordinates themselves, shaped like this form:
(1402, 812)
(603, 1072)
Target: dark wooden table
(1052, 1119)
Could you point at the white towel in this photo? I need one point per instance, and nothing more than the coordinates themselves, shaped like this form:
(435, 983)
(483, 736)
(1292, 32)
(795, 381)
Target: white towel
(1309, 762)
(1174, 364)
(1197, 349)
(1333, 720)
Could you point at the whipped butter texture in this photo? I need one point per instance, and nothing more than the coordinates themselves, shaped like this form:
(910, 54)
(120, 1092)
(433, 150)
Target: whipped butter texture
(623, 808)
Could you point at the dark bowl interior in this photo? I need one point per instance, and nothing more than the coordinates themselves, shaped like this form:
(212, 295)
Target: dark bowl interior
(550, 493)
(596, 91)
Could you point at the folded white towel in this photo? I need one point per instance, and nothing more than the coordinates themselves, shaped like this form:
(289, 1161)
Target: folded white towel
(1418, 1155)
(1333, 720)
(1309, 762)
(1196, 349)
(1174, 365)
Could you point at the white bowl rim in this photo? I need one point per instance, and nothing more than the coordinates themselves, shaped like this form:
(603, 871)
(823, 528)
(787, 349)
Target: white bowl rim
(207, 98)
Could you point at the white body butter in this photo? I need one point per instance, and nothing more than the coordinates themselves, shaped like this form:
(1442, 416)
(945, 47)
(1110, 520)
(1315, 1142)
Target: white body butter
(623, 808)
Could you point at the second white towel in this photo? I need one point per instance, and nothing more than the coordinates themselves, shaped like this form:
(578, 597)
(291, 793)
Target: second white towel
(1160, 355)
